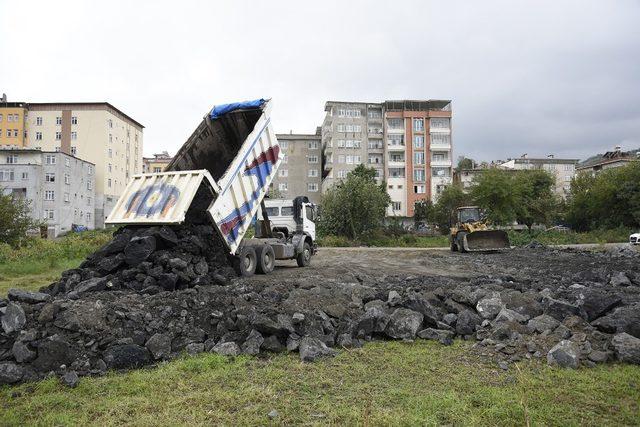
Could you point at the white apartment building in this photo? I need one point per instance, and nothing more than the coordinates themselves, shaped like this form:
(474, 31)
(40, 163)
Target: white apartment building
(562, 169)
(96, 132)
(60, 187)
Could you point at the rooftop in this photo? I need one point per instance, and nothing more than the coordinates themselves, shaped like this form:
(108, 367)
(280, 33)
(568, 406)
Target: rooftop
(102, 104)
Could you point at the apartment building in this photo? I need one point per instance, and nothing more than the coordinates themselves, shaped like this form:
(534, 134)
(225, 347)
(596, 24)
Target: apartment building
(157, 163)
(562, 169)
(60, 187)
(407, 142)
(608, 160)
(96, 132)
(13, 129)
(300, 171)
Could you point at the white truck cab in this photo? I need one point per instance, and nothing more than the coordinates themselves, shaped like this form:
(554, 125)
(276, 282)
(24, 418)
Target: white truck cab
(281, 215)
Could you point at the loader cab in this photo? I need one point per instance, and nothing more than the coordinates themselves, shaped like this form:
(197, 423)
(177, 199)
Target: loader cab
(468, 214)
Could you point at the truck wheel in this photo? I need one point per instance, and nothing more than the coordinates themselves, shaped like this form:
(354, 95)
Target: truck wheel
(266, 259)
(454, 247)
(460, 241)
(245, 262)
(304, 257)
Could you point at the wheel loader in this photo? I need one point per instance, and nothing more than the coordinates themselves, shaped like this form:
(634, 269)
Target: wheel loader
(470, 232)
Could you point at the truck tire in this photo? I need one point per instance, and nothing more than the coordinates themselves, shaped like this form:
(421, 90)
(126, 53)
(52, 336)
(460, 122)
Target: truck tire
(245, 262)
(460, 241)
(454, 247)
(304, 257)
(266, 259)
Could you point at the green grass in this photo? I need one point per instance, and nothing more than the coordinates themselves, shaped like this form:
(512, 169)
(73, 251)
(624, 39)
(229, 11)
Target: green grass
(404, 241)
(617, 235)
(384, 383)
(40, 262)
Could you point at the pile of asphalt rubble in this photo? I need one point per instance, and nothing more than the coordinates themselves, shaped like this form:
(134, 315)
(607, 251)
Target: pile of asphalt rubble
(152, 294)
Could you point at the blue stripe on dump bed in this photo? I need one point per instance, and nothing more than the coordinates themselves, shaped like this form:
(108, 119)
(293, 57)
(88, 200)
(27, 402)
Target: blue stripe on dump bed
(221, 110)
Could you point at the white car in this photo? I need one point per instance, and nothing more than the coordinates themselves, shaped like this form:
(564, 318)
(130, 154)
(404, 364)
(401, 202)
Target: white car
(634, 239)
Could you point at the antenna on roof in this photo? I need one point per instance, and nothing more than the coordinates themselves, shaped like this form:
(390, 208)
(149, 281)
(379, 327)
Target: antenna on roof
(4, 98)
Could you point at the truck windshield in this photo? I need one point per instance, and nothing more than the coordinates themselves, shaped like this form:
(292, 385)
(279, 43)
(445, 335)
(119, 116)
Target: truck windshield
(273, 211)
(287, 211)
(469, 215)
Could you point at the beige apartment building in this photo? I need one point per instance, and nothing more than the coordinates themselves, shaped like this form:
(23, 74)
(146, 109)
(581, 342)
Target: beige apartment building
(562, 169)
(96, 132)
(300, 173)
(157, 163)
(407, 142)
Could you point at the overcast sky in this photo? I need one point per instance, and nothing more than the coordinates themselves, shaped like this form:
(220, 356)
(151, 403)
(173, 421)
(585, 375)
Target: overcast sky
(539, 77)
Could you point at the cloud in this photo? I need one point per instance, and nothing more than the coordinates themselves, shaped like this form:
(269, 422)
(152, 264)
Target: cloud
(540, 77)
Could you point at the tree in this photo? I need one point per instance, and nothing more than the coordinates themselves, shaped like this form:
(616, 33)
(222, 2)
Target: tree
(423, 211)
(536, 203)
(451, 198)
(494, 191)
(15, 219)
(354, 207)
(610, 199)
(465, 163)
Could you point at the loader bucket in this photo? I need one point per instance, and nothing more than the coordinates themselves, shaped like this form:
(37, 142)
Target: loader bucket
(488, 240)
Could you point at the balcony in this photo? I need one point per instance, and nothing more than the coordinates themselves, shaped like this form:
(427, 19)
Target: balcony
(441, 163)
(395, 147)
(440, 146)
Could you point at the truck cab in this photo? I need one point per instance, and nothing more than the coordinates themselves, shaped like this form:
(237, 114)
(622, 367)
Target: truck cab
(280, 213)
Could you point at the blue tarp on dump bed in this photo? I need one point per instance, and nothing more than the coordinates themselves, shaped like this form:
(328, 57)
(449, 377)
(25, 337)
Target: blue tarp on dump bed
(221, 110)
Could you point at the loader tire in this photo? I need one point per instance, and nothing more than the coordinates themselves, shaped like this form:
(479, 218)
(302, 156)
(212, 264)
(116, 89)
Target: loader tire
(304, 257)
(454, 247)
(460, 242)
(244, 263)
(266, 259)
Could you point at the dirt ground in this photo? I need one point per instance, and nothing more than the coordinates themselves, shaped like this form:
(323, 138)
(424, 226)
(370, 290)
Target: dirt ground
(357, 264)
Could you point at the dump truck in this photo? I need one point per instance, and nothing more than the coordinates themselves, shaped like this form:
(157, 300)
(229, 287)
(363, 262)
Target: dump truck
(470, 233)
(224, 171)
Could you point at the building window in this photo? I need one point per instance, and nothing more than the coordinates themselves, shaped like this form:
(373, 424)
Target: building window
(439, 123)
(39, 121)
(440, 139)
(313, 145)
(58, 121)
(89, 185)
(74, 120)
(67, 179)
(88, 201)
(395, 123)
(0, 117)
(6, 175)
(109, 183)
(66, 197)
(282, 186)
(12, 159)
(284, 144)
(38, 136)
(57, 149)
(342, 174)
(48, 214)
(313, 159)
(395, 140)
(442, 172)
(49, 195)
(418, 125)
(419, 189)
(441, 156)
(375, 144)
(110, 153)
(312, 186)
(58, 136)
(50, 177)
(67, 162)
(9, 117)
(74, 150)
(88, 214)
(418, 141)
(25, 175)
(109, 167)
(50, 159)
(74, 135)
(341, 143)
(345, 112)
(8, 133)
(418, 175)
(110, 122)
(396, 172)
(157, 169)
(418, 158)
(396, 206)
(283, 173)
(313, 173)
(285, 159)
